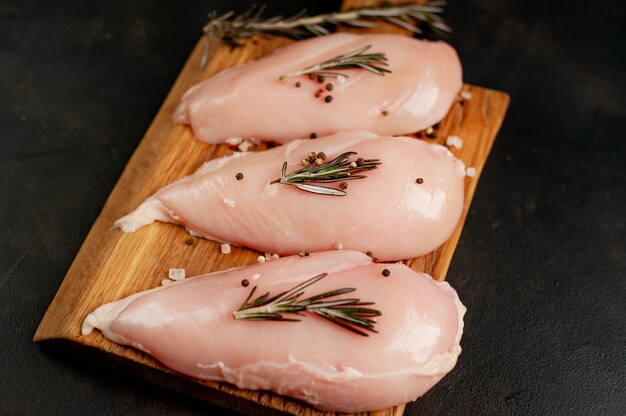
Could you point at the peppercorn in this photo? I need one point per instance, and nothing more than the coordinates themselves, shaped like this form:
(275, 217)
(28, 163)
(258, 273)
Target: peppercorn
(239, 176)
(328, 98)
(360, 161)
(419, 180)
(245, 283)
(385, 113)
(320, 79)
(321, 155)
(189, 241)
(329, 87)
(318, 93)
(343, 185)
(386, 272)
(298, 84)
(313, 135)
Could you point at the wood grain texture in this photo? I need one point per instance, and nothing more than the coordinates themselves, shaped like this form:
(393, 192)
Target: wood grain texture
(111, 265)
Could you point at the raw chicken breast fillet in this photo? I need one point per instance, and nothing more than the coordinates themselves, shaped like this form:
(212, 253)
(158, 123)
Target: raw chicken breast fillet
(249, 100)
(387, 213)
(189, 326)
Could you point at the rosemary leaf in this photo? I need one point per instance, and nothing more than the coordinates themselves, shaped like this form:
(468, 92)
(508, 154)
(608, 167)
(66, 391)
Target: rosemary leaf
(346, 313)
(233, 30)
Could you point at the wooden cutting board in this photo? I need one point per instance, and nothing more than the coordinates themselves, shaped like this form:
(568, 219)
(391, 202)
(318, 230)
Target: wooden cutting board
(111, 265)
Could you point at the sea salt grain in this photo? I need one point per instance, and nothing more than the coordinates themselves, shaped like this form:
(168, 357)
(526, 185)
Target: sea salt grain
(234, 141)
(225, 248)
(454, 141)
(244, 146)
(255, 276)
(230, 202)
(466, 95)
(471, 172)
(176, 274)
(166, 282)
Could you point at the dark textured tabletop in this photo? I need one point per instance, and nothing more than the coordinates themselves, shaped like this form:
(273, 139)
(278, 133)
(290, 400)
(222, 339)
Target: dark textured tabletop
(540, 264)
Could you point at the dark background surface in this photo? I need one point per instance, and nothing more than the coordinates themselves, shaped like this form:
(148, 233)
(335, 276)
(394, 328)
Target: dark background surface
(540, 264)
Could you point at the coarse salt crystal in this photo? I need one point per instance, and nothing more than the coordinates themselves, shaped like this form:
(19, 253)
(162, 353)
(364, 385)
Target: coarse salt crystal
(166, 282)
(339, 246)
(454, 141)
(471, 172)
(260, 259)
(230, 202)
(234, 140)
(244, 146)
(275, 256)
(176, 274)
(225, 248)
(466, 95)
(255, 276)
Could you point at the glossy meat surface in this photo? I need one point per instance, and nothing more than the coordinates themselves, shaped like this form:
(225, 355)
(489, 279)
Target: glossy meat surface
(249, 101)
(189, 326)
(387, 213)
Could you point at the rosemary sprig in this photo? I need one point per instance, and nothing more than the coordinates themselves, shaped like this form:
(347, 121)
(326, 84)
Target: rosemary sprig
(373, 62)
(337, 170)
(233, 30)
(347, 313)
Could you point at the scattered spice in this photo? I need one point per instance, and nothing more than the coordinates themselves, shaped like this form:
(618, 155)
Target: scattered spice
(386, 272)
(471, 172)
(312, 156)
(298, 84)
(319, 161)
(328, 98)
(305, 162)
(255, 276)
(339, 246)
(385, 113)
(275, 256)
(313, 135)
(343, 186)
(318, 93)
(419, 181)
(225, 248)
(321, 155)
(353, 164)
(245, 283)
(329, 87)
(360, 161)
(260, 259)
(303, 253)
(239, 176)
(311, 76)
(320, 79)
(189, 241)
